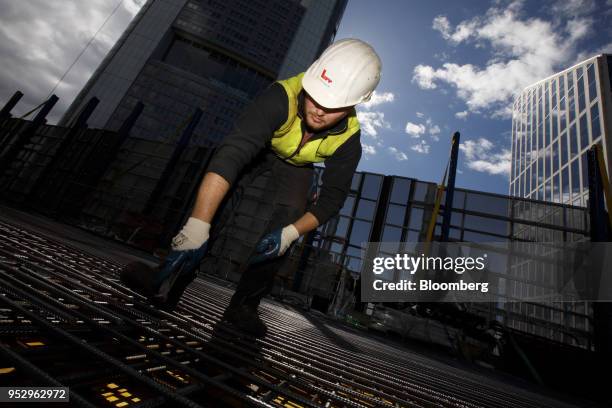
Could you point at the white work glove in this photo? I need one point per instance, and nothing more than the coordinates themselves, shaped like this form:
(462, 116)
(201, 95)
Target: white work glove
(194, 234)
(275, 244)
(288, 235)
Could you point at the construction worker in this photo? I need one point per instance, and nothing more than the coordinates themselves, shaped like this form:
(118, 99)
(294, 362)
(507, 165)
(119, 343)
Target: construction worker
(292, 124)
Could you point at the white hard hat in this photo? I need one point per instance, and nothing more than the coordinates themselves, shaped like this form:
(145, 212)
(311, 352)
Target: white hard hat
(346, 74)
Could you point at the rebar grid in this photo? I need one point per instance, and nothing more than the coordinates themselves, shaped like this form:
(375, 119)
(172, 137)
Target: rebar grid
(94, 331)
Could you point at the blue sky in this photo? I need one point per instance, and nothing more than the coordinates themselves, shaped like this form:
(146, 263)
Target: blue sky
(455, 65)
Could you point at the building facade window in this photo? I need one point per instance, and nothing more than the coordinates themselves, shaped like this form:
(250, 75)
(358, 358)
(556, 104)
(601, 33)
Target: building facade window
(554, 123)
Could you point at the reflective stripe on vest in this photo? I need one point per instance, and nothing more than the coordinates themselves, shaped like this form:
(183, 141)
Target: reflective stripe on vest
(288, 137)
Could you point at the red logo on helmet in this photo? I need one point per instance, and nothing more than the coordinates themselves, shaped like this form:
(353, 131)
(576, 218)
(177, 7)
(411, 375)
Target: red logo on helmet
(325, 77)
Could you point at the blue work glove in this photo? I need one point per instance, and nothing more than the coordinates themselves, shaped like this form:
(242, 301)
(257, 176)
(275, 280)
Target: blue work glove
(181, 265)
(274, 244)
(178, 263)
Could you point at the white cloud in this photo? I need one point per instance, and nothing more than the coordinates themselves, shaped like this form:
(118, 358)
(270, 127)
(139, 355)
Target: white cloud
(572, 8)
(441, 24)
(424, 76)
(421, 114)
(368, 149)
(371, 122)
(579, 28)
(434, 131)
(476, 148)
(500, 164)
(39, 40)
(415, 130)
(481, 157)
(464, 30)
(461, 115)
(378, 99)
(525, 50)
(398, 154)
(422, 147)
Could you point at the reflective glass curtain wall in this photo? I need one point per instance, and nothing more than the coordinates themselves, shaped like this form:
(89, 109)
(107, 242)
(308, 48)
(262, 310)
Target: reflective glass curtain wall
(554, 122)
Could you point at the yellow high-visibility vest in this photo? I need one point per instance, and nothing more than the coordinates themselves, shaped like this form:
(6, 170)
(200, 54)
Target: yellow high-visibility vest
(288, 137)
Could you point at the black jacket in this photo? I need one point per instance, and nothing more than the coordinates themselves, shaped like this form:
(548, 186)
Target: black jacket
(253, 132)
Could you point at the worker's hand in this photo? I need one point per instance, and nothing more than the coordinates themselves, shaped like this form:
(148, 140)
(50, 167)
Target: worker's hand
(181, 265)
(194, 234)
(188, 248)
(164, 285)
(275, 244)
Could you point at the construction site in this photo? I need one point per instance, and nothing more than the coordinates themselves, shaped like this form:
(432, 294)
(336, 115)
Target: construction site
(117, 177)
(69, 226)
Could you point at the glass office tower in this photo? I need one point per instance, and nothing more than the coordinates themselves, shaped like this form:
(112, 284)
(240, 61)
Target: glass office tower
(554, 122)
(178, 55)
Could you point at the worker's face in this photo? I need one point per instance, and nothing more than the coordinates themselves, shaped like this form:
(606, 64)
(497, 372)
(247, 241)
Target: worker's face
(319, 118)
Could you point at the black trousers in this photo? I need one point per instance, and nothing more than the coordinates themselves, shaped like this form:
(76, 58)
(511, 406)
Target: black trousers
(289, 198)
